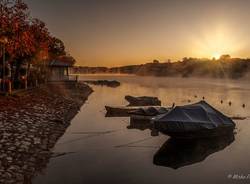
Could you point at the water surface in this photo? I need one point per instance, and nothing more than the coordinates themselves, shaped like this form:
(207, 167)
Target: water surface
(103, 150)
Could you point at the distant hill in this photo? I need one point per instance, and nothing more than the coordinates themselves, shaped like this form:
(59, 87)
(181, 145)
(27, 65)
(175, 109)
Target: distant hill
(225, 67)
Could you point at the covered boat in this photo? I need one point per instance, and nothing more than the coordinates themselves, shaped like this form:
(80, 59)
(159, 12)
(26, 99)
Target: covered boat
(119, 111)
(194, 121)
(150, 111)
(126, 111)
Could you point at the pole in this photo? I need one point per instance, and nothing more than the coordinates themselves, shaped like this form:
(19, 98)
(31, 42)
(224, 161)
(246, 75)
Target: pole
(26, 77)
(10, 88)
(4, 68)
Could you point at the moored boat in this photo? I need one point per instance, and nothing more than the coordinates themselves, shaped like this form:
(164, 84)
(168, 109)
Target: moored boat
(143, 101)
(197, 120)
(126, 111)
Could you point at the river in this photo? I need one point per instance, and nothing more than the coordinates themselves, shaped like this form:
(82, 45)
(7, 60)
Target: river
(96, 149)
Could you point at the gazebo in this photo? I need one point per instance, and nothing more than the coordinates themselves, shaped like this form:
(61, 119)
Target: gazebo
(58, 70)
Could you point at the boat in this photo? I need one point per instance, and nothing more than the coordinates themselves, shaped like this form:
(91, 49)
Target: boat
(125, 111)
(143, 101)
(150, 111)
(197, 120)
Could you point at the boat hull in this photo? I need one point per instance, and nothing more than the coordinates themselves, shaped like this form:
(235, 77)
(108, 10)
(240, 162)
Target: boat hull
(204, 133)
(122, 111)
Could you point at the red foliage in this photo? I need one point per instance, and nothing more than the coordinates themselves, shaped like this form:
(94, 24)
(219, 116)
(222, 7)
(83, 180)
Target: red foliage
(67, 59)
(28, 39)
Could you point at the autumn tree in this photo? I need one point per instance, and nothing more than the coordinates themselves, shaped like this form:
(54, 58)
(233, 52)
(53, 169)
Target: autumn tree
(29, 41)
(56, 48)
(67, 59)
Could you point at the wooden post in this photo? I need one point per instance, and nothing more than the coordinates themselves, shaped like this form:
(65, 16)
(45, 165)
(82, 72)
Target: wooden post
(10, 87)
(26, 83)
(26, 75)
(4, 81)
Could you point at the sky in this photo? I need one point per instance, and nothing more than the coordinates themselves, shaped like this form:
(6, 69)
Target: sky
(124, 32)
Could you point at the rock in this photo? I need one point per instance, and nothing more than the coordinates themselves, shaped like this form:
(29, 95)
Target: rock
(143, 101)
(37, 141)
(107, 83)
(12, 148)
(9, 159)
(7, 176)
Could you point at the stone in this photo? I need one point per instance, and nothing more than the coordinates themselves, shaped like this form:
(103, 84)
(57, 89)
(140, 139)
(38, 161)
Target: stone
(27, 132)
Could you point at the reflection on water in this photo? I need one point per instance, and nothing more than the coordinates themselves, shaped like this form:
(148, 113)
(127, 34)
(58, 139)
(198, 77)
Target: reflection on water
(117, 150)
(176, 153)
(142, 123)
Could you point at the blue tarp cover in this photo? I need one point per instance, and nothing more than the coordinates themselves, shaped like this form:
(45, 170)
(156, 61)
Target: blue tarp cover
(193, 117)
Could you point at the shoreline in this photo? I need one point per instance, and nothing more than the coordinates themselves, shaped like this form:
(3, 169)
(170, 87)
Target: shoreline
(31, 124)
(245, 78)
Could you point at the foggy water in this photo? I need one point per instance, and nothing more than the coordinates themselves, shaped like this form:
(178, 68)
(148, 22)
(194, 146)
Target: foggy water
(103, 150)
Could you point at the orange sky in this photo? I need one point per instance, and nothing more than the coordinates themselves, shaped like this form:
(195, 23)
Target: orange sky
(122, 32)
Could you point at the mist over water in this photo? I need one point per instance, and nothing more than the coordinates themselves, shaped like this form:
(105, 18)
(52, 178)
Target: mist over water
(183, 90)
(104, 150)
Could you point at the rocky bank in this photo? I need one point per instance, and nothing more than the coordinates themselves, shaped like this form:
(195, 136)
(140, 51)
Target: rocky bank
(31, 123)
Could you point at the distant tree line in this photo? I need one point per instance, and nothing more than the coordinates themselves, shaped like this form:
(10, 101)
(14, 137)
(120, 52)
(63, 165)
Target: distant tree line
(26, 43)
(224, 67)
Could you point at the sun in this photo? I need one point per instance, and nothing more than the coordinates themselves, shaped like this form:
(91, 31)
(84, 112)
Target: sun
(214, 42)
(216, 55)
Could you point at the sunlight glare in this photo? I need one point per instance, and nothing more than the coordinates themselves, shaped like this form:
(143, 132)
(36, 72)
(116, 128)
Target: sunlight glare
(214, 43)
(216, 55)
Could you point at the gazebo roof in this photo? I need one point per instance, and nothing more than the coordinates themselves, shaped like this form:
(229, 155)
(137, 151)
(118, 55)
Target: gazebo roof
(57, 63)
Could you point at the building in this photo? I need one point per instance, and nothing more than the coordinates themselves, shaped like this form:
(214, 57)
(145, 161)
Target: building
(58, 70)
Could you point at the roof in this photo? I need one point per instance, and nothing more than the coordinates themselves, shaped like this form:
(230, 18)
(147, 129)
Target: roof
(57, 63)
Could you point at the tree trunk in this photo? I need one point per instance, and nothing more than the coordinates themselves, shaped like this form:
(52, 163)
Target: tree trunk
(17, 75)
(27, 74)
